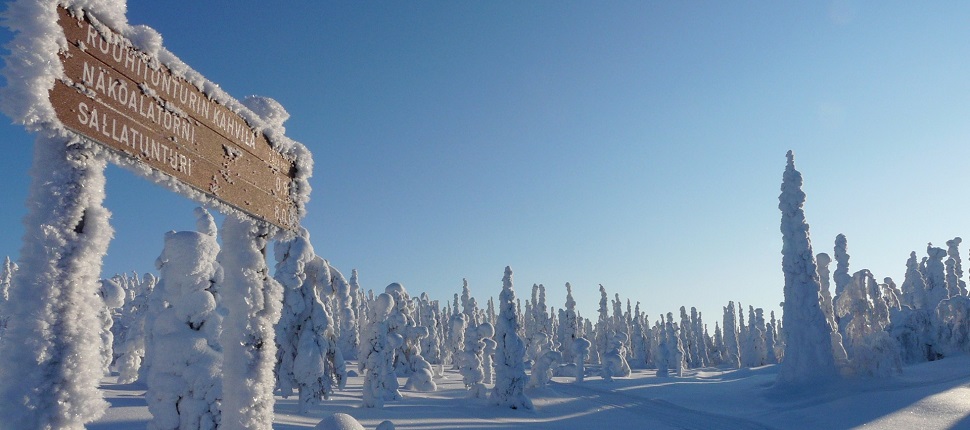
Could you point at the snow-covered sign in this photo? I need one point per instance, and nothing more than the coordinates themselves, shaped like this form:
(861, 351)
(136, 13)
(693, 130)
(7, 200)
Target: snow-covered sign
(129, 101)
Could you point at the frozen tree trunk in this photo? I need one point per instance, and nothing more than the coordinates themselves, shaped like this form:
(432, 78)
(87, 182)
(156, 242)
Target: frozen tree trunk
(806, 327)
(52, 365)
(253, 301)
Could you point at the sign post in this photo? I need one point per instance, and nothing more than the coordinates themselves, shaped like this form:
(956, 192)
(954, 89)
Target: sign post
(93, 97)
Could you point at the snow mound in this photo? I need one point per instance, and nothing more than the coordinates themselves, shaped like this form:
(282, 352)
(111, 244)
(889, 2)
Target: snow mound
(339, 421)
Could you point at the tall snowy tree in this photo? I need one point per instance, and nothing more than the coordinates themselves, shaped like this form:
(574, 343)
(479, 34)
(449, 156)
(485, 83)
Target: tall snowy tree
(510, 378)
(935, 275)
(731, 354)
(959, 286)
(603, 329)
(568, 326)
(841, 275)
(914, 285)
(133, 346)
(347, 339)
(805, 324)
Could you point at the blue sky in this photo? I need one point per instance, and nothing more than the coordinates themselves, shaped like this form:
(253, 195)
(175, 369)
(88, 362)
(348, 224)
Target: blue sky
(639, 145)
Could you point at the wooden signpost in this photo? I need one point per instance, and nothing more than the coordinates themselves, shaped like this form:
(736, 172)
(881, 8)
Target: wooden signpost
(129, 102)
(112, 97)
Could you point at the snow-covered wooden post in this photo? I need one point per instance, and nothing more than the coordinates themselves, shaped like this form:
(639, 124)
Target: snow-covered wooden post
(253, 300)
(51, 350)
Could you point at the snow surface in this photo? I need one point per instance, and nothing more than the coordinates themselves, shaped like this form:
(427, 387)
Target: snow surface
(932, 395)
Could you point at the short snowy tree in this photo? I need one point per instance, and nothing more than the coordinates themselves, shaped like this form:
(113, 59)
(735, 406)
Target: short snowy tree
(112, 295)
(542, 369)
(614, 360)
(580, 352)
(377, 355)
(185, 378)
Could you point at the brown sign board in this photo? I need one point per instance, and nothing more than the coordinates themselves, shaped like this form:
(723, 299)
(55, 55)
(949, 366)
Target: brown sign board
(131, 103)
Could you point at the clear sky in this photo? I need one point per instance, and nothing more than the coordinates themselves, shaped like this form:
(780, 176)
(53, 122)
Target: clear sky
(639, 145)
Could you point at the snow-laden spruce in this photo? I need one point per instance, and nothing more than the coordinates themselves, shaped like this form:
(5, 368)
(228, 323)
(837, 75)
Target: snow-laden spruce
(308, 357)
(806, 327)
(132, 345)
(185, 378)
(731, 354)
(346, 317)
(568, 326)
(510, 376)
(377, 355)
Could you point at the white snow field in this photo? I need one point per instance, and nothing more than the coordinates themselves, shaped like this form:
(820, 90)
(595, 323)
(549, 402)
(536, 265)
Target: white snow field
(932, 395)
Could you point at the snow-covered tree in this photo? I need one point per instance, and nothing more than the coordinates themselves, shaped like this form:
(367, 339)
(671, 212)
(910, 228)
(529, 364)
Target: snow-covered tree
(614, 360)
(731, 354)
(510, 378)
(348, 337)
(132, 348)
(6, 279)
(580, 352)
(935, 275)
(456, 337)
(308, 357)
(841, 275)
(542, 369)
(953, 326)
(701, 355)
(603, 331)
(112, 295)
(914, 285)
(377, 355)
(954, 268)
(185, 378)
(805, 324)
(568, 326)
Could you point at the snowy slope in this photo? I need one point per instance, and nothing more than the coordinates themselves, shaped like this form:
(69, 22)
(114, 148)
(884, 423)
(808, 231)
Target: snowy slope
(933, 395)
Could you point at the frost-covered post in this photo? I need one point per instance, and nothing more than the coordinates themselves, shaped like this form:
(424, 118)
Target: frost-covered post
(51, 348)
(510, 376)
(253, 300)
(806, 327)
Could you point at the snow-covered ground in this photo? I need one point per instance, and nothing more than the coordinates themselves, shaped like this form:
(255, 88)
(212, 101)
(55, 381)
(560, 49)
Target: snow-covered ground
(933, 395)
